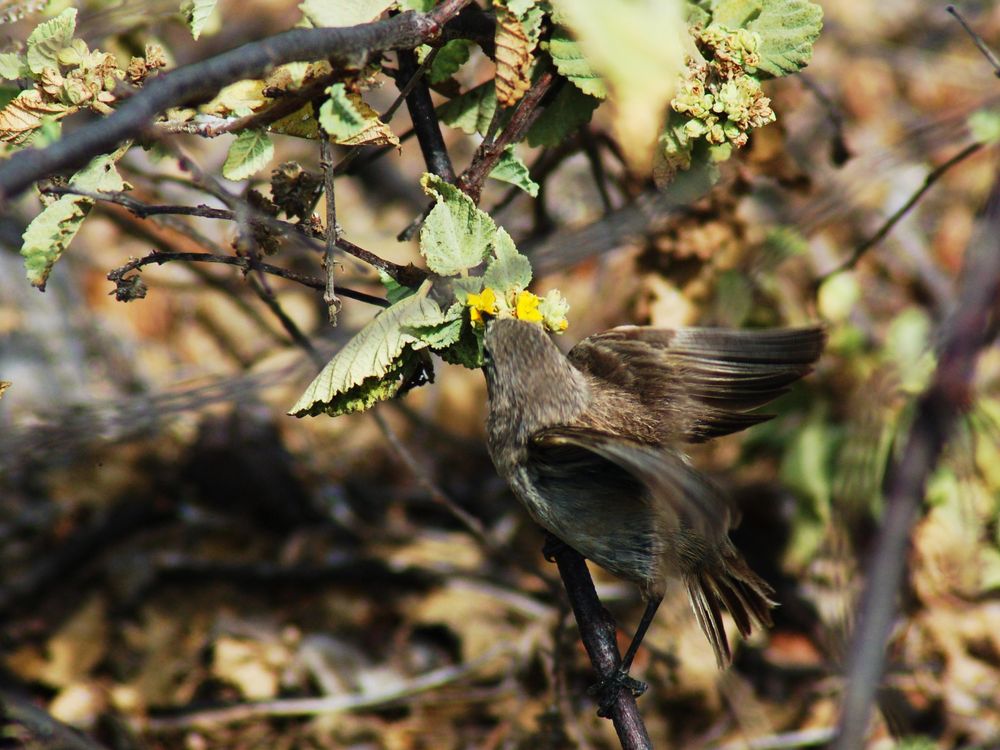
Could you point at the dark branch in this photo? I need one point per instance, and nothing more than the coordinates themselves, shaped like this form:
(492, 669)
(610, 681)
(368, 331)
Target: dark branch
(950, 393)
(332, 231)
(597, 631)
(247, 264)
(424, 118)
(345, 48)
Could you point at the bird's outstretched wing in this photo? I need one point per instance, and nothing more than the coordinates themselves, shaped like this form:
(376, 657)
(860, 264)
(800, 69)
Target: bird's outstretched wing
(700, 383)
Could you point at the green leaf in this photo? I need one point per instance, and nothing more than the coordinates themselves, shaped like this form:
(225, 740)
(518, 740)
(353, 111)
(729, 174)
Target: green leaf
(49, 234)
(456, 235)
(338, 115)
(343, 12)
(571, 64)
(48, 38)
(13, 66)
(249, 153)
(196, 14)
(448, 60)
(472, 111)
(985, 126)
(570, 109)
(439, 335)
(511, 169)
(735, 14)
(787, 31)
(468, 350)
(509, 269)
(363, 371)
(421, 6)
(520, 7)
(394, 291)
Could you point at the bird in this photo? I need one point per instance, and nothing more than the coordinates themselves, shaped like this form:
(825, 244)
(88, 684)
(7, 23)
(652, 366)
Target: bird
(592, 444)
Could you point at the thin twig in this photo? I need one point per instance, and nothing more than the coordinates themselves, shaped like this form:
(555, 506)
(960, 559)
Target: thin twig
(977, 40)
(247, 264)
(332, 230)
(407, 275)
(471, 523)
(326, 705)
(949, 394)
(932, 177)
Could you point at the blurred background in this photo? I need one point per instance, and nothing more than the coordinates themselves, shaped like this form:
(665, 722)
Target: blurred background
(171, 541)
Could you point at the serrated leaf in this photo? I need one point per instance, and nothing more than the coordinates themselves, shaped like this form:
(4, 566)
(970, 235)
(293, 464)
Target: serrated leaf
(520, 7)
(343, 12)
(472, 111)
(570, 109)
(348, 120)
(787, 31)
(248, 154)
(450, 57)
(48, 38)
(13, 66)
(516, 38)
(638, 48)
(369, 392)
(511, 169)
(26, 113)
(49, 234)
(456, 235)
(439, 335)
(572, 65)
(468, 350)
(369, 360)
(237, 98)
(196, 14)
(505, 274)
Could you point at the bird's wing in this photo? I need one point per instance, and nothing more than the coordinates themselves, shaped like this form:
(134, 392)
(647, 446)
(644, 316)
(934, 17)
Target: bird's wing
(699, 383)
(614, 471)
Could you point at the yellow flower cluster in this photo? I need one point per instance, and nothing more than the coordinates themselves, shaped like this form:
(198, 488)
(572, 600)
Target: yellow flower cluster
(520, 304)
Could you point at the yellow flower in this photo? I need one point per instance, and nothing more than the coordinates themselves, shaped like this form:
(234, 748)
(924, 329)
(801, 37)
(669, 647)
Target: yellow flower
(526, 308)
(483, 303)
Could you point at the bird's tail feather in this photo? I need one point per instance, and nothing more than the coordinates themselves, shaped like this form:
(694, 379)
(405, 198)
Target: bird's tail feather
(737, 588)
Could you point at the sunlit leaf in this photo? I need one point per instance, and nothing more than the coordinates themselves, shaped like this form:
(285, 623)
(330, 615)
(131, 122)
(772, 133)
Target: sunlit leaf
(343, 12)
(248, 154)
(511, 169)
(196, 14)
(48, 38)
(787, 29)
(456, 235)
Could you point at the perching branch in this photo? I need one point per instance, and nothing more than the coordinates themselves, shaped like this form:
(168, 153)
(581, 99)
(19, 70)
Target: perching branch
(597, 631)
(348, 47)
(971, 327)
(424, 118)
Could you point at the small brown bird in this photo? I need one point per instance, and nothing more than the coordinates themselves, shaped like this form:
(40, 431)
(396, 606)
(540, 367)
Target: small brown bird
(591, 444)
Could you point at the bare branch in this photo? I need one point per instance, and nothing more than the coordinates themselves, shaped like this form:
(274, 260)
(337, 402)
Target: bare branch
(970, 328)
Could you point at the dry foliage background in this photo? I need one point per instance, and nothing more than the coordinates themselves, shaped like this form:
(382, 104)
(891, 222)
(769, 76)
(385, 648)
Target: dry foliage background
(173, 543)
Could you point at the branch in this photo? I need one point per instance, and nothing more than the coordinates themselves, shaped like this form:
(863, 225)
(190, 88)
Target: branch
(332, 230)
(245, 263)
(933, 176)
(597, 631)
(424, 118)
(949, 395)
(408, 275)
(490, 151)
(348, 47)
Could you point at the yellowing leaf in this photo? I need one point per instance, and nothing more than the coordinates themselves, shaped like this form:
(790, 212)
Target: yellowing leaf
(196, 14)
(48, 38)
(638, 47)
(343, 12)
(249, 153)
(515, 40)
(27, 112)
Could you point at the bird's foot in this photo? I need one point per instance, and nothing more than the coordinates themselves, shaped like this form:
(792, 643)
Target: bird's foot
(607, 690)
(552, 547)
